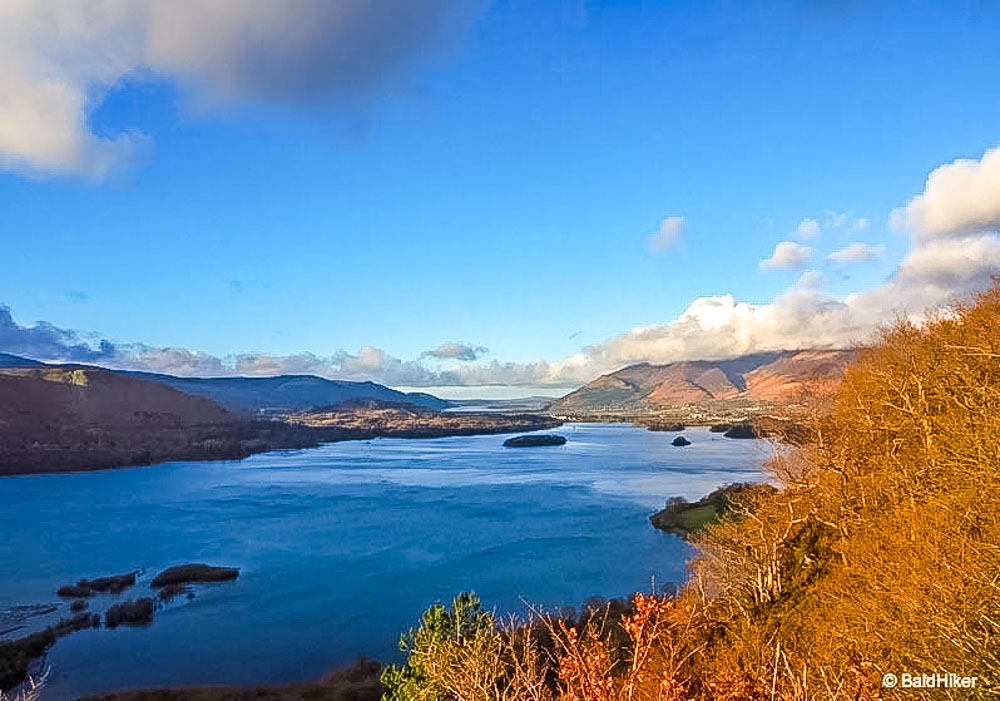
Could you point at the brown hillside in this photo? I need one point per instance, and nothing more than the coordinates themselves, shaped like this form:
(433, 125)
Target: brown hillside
(785, 378)
(61, 418)
(64, 418)
(87, 395)
(763, 377)
(690, 383)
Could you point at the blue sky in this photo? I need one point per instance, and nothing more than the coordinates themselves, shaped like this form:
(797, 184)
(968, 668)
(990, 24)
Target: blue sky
(498, 187)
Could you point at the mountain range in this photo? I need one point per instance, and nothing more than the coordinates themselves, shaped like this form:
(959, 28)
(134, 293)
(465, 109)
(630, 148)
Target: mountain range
(15, 361)
(57, 418)
(762, 377)
(285, 393)
(251, 395)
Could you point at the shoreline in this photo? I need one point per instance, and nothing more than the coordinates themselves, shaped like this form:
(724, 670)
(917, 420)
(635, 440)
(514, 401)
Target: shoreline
(296, 436)
(279, 689)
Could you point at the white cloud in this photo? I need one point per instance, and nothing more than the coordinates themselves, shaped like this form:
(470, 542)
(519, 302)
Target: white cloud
(945, 270)
(955, 251)
(46, 342)
(803, 317)
(935, 273)
(787, 254)
(861, 224)
(835, 219)
(960, 198)
(670, 232)
(716, 327)
(171, 361)
(807, 229)
(809, 280)
(52, 59)
(456, 351)
(857, 252)
(59, 60)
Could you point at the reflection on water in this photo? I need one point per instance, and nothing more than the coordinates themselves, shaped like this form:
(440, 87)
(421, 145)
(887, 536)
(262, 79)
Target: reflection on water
(341, 547)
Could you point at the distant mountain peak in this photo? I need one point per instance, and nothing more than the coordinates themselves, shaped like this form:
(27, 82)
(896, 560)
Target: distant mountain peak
(777, 376)
(15, 361)
(244, 395)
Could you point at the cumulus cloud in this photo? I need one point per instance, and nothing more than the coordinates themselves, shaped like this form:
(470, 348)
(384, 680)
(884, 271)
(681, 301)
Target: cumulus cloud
(857, 252)
(52, 59)
(786, 255)
(456, 351)
(47, 342)
(368, 364)
(720, 327)
(955, 250)
(714, 327)
(59, 60)
(669, 233)
(809, 280)
(43, 340)
(937, 271)
(960, 198)
(861, 224)
(807, 229)
(170, 361)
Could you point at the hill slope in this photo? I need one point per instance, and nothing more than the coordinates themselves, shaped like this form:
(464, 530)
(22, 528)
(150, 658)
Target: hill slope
(252, 394)
(763, 377)
(60, 418)
(15, 361)
(55, 418)
(88, 395)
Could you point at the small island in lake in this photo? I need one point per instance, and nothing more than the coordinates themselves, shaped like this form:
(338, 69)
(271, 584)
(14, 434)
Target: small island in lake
(533, 441)
(187, 574)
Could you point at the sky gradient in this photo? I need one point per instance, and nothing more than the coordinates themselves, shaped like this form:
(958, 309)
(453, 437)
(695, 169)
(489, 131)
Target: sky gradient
(466, 193)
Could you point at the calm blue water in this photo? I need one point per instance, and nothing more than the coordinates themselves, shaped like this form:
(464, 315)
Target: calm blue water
(341, 547)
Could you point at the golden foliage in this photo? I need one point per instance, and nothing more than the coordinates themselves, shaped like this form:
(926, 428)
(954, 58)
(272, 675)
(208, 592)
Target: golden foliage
(647, 667)
(882, 552)
(879, 554)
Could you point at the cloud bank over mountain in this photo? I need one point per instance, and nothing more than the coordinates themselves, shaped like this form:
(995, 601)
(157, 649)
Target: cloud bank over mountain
(456, 351)
(954, 232)
(58, 61)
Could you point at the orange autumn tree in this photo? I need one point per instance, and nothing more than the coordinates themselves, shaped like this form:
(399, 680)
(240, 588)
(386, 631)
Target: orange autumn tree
(879, 554)
(462, 653)
(646, 666)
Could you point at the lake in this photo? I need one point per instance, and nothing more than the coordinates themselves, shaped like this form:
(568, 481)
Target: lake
(341, 547)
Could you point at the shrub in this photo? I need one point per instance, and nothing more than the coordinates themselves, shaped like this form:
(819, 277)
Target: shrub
(16, 656)
(132, 613)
